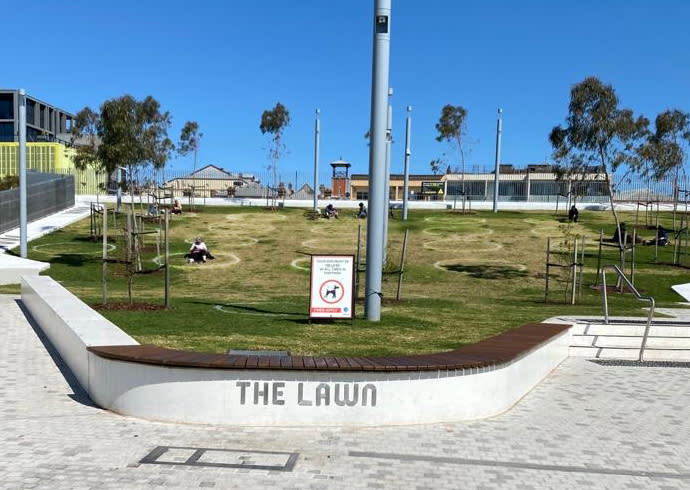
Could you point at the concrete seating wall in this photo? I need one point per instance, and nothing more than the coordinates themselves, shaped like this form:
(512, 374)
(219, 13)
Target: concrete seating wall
(221, 391)
(69, 323)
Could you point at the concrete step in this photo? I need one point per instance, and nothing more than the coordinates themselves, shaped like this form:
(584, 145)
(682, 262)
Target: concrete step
(631, 354)
(665, 342)
(606, 341)
(668, 330)
(667, 355)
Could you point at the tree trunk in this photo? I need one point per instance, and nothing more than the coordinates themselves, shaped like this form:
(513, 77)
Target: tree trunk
(621, 248)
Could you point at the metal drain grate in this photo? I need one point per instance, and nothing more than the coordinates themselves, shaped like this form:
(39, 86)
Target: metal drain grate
(223, 458)
(627, 363)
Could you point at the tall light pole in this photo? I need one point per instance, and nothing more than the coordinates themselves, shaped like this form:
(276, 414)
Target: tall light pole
(387, 186)
(22, 173)
(377, 158)
(317, 130)
(497, 170)
(406, 175)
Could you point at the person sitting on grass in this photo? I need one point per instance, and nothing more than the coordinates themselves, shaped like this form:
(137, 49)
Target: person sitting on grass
(573, 214)
(153, 209)
(331, 212)
(661, 238)
(198, 252)
(362, 213)
(177, 207)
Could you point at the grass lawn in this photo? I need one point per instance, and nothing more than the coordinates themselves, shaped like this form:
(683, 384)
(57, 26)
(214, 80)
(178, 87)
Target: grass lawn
(467, 277)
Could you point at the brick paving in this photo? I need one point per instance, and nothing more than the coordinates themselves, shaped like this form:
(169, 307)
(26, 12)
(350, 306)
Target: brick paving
(586, 426)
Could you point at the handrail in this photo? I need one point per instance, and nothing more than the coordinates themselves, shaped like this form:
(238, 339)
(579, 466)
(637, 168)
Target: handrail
(637, 295)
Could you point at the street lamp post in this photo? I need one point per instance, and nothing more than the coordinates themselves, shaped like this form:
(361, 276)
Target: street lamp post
(317, 130)
(406, 176)
(22, 174)
(377, 158)
(497, 170)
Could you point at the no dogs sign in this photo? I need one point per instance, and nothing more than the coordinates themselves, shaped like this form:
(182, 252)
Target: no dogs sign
(331, 292)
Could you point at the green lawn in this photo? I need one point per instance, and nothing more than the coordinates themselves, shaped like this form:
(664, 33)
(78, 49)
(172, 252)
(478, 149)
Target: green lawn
(467, 277)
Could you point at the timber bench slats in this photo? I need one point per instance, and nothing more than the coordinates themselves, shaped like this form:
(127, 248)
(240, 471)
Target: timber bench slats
(501, 349)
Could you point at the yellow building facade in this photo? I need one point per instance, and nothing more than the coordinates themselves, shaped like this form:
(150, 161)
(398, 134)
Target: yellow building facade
(41, 157)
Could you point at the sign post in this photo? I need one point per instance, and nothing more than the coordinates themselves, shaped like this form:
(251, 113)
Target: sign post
(331, 291)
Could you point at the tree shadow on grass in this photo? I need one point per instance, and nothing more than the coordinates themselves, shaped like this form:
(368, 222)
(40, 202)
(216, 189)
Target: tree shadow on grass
(246, 309)
(484, 271)
(72, 260)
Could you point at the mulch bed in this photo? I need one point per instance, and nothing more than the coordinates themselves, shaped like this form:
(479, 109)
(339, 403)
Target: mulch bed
(129, 307)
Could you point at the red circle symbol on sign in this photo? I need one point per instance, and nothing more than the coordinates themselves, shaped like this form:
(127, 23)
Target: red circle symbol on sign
(331, 291)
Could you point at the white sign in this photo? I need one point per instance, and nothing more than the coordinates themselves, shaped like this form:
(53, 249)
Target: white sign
(332, 294)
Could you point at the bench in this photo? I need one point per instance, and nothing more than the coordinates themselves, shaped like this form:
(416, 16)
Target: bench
(492, 352)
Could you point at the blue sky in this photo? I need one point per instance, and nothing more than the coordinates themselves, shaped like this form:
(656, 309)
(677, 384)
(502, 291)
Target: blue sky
(222, 63)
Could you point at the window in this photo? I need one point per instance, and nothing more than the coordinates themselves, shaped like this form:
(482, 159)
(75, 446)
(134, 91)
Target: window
(362, 196)
(7, 132)
(30, 112)
(6, 106)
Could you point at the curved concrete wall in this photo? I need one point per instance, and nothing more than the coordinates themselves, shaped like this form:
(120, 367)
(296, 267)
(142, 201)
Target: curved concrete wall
(284, 398)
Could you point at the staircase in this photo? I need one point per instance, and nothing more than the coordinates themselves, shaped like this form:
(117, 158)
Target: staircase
(668, 340)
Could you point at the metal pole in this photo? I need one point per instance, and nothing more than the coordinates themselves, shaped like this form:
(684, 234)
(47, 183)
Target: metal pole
(401, 271)
(317, 130)
(104, 274)
(386, 191)
(377, 155)
(406, 176)
(574, 291)
(167, 258)
(601, 239)
(22, 173)
(497, 170)
(548, 257)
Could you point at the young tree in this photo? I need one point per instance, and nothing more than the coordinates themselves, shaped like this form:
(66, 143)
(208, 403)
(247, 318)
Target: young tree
(274, 122)
(190, 140)
(452, 128)
(599, 134)
(125, 133)
(665, 151)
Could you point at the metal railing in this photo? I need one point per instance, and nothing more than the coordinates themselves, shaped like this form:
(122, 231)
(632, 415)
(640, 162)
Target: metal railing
(637, 295)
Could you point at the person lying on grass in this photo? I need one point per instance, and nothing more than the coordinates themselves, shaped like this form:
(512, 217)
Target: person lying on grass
(198, 252)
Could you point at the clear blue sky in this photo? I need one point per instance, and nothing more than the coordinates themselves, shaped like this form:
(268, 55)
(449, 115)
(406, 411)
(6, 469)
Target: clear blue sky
(222, 63)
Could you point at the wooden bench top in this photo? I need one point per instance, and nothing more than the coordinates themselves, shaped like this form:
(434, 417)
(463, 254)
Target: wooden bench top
(501, 349)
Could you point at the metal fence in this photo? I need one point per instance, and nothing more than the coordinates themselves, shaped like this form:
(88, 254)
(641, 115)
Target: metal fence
(299, 185)
(46, 194)
(293, 185)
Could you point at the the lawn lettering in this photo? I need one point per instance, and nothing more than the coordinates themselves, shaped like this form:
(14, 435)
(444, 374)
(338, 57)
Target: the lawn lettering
(323, 394)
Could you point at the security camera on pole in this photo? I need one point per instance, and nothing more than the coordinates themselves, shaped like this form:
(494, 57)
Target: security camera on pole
(377, 158)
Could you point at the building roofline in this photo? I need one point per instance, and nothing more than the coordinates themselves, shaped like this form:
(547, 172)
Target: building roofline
(36, 99)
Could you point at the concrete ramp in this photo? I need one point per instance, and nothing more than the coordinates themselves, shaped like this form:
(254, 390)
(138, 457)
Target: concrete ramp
(12, 268)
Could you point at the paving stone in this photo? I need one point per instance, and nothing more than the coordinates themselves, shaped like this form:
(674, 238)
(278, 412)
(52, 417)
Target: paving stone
(585, 426)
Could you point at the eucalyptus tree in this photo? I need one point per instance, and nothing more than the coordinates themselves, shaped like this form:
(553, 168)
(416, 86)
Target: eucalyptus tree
(666, 149)
(598, 134)
(273, 123)
(190, 141)
(452, 128)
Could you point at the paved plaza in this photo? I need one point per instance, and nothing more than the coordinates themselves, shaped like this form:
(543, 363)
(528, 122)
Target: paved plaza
(586, 426)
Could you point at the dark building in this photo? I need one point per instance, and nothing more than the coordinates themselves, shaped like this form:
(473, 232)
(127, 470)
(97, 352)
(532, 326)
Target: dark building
(44, 122)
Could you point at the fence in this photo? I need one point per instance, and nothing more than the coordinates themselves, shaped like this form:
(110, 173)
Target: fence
(147, 181)
(299, 185)
(46, 194)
